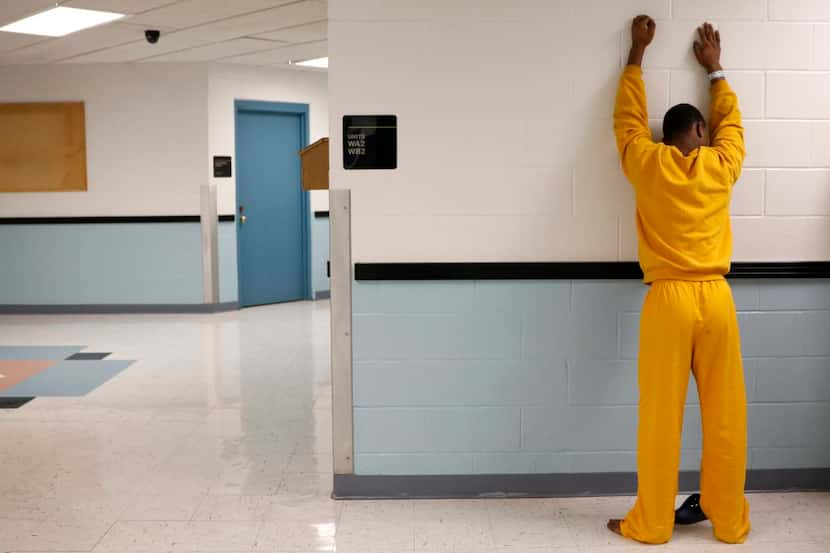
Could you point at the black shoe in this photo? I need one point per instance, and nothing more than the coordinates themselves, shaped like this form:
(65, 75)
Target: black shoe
(690, 512)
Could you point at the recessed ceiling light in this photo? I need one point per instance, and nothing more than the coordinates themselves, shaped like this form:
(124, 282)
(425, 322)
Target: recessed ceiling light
(60, 21)
(322, 63)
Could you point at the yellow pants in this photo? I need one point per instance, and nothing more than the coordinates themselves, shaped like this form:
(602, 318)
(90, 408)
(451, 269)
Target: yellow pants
(690, 326)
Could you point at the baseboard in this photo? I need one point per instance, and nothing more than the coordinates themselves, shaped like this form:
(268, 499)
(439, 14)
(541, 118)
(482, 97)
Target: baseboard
(350, 486)
(117, 308)
(322, 295)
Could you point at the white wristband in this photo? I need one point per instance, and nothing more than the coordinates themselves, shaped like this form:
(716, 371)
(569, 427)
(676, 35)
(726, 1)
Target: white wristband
(714, 75)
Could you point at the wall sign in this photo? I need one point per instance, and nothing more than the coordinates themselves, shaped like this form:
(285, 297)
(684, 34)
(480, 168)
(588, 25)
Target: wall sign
(370, 141)
(222, 166)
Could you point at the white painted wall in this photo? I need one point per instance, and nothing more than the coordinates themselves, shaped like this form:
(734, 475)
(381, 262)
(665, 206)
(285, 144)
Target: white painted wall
(237, 82)
(506, 151)
(152, 129)
(146, 135)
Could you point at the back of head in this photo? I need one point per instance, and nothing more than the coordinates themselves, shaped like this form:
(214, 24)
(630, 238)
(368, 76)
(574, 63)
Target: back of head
(679, 122)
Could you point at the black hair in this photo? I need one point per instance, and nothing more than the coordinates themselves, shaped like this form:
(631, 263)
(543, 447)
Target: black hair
(679, 120)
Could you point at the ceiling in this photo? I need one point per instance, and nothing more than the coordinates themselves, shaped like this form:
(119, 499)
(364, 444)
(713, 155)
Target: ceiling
(254, 32)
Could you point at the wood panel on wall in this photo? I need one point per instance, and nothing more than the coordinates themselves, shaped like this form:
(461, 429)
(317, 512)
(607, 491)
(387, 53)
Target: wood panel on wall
(43, 147)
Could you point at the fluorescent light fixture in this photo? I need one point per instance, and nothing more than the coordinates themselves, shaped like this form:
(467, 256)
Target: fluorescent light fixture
(60, 21)
(322, 63)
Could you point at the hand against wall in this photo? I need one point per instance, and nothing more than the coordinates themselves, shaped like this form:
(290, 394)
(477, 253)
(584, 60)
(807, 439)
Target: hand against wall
(707, 49)
(642, 31)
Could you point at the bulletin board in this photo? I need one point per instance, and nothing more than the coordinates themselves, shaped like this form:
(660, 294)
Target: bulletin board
(43, 147)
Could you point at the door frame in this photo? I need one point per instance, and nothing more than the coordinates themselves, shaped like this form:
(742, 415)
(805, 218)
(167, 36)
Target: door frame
(261, 106)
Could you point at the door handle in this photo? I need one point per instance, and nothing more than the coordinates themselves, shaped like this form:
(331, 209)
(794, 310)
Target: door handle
(242, 219)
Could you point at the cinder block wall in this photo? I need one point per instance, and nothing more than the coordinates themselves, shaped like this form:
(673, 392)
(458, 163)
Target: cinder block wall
(499, 377)
(504, 111)
(506, 154)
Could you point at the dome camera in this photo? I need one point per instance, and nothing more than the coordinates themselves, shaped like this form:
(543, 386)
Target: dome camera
(152, 35)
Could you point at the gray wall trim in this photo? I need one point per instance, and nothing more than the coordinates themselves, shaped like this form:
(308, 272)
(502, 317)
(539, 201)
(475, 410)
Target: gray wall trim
(341, 331)
(117, 308)
(322, 294)
(350, 486)
(210, 244)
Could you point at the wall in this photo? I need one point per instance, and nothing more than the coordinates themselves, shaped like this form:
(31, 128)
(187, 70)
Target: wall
(150, 131)
(235, 82)
(504, 112)
(506, 153)
(146, 131)
(499, 377)
(319, 256)
(74, 264)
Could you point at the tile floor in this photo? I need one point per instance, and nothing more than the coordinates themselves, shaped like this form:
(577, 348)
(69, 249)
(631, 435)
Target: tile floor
(218, 440)
(53, 371)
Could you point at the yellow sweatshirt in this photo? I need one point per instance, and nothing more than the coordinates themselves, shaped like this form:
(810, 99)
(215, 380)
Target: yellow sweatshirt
(682, 201)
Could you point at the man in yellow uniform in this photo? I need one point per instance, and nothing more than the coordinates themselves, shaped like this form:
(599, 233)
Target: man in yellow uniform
(683, 187)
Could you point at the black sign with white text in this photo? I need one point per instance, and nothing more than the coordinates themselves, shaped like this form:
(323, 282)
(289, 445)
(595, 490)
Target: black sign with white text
(222, 166)
(370, 142)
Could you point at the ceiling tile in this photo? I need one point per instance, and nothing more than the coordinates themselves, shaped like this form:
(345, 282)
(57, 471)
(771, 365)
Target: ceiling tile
(119, 6)
(75, 44)
(12, 10)
(12, 41)
(212, 33)
(189, 13)
(211, 52)
(300, 33)
(281, 56)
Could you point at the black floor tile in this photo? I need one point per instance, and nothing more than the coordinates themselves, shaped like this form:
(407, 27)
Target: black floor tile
(87, 356)
(14, 402)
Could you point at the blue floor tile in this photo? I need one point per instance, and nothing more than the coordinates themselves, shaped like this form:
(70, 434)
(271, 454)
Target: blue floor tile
(68, 378)
(38, 352)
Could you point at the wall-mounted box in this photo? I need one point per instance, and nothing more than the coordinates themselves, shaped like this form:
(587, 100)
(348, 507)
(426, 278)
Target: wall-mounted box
(315, 165)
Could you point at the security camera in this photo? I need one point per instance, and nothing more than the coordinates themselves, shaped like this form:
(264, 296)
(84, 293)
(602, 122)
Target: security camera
(152, 35)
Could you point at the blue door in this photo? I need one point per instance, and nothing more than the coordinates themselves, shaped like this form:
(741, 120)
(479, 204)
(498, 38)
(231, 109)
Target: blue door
(272, 209)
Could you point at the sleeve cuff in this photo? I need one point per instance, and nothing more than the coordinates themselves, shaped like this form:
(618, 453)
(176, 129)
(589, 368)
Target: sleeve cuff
(720, 85)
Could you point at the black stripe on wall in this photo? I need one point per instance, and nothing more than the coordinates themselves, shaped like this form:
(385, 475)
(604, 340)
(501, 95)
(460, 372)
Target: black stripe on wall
(566, 270)
(321, 214)
(108, 220)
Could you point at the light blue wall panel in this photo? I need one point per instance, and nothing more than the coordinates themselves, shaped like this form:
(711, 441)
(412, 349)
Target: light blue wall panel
(428, 463)
(785, 333)
(503, 463)
(397, 430)
(369, 298)
(791, 295)
(548, 368)
(439, 336)
(463, 382)
(789, 457)
(99, 264)
(789, 425)
(602, 382)
(125, 263)
(596, 308)
(793, 379)
(319, 254)
(228, 287)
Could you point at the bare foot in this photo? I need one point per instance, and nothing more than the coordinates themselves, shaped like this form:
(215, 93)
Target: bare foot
(614, 525)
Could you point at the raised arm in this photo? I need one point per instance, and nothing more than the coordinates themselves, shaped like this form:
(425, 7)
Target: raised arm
(630, 113)
(725, 118)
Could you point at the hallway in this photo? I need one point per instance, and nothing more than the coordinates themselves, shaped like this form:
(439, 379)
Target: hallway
(218, 438)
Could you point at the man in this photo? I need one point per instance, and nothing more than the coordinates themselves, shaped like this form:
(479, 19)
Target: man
(683, 186)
